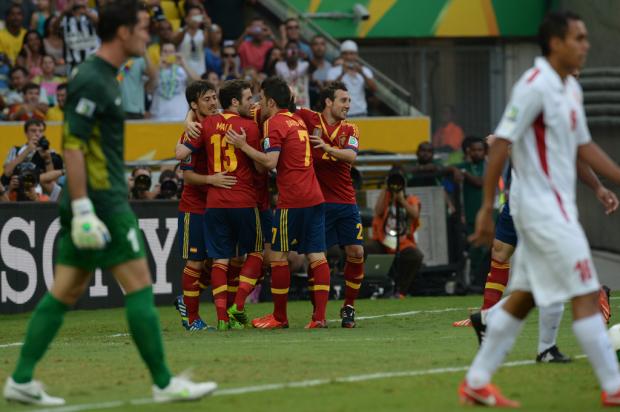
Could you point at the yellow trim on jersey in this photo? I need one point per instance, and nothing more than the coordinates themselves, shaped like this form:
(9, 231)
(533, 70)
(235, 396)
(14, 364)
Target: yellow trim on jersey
(279, 291)
(352, 285)
(228, 115)
(496, 286)
(191, 293)
(96, 163)
(186, 236)
(191, 272)
(321, 287)
(334, 134)
(498, 265)
(221, 289)
(265, 128)
(247, 280)
(258, 242)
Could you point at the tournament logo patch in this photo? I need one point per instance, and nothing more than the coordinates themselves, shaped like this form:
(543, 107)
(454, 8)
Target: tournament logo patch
(266, 143)
(353, 142)
(512, 114)
(85, 107)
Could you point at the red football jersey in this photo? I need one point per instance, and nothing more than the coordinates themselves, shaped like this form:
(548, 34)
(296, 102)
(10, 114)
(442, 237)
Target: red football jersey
(334, 175)
(297, 183)
(261, 180)
(224, 157)
(194, 197)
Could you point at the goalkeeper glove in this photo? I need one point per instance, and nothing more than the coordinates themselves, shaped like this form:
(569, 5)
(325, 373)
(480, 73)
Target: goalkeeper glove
(87, 231)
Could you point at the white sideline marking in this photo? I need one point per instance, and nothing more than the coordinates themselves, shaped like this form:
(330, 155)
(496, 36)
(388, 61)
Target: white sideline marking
(290, 385)
(387, 315)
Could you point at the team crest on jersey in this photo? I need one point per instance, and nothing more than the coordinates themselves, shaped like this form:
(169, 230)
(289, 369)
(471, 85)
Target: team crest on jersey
(266, 143)
(85, 107)
(342, 140)
(512, 113)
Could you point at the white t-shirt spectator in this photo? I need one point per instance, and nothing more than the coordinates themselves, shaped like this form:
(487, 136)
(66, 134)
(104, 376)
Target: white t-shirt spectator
(298, 79)
(356, 86)
(169, 103)
(193, 49)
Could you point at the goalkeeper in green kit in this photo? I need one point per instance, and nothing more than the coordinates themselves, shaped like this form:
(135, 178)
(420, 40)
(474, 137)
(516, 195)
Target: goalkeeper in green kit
(98, 227)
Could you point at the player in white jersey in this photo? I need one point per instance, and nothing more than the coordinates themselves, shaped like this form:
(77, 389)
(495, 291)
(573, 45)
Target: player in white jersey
(546, 125)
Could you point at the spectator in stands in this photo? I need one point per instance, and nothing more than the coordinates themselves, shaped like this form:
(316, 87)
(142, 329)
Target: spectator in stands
(134, 76)
(356, 77)
(5, 71)
(168, 186)
(164, 35)
(173, 76)
(31, 107)
(212, 78)
(274, 55)
(192, 39)
(78, 24)
(449, 135)
(36, 150)
(290, 30)
(54, 44)
(15, 95)
(397, 215)
(31, 54)
(140, 184)
(12, 36)
(252, 51)
(425, 170)
(319, 67)
(295, 72)
(24, 183)
(40, 16)
(52, 183)
(230, 67)
(48, 80)
(56, 113)
(213, 52)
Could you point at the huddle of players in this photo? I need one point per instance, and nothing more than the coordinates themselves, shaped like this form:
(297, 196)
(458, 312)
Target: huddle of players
(229, 157)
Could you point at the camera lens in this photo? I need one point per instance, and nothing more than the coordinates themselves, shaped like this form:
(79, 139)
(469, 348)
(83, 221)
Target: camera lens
(44, 143)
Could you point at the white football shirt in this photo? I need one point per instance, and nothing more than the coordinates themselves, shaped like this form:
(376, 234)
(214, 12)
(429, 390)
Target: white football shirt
(546, 123)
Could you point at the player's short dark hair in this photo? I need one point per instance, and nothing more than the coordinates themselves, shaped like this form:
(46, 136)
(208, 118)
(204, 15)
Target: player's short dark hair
(232, 89)
(329, 92)
(554, 24)
(276, 88)
(30, 86)
(470, 140)
(189, 7)
(196, 89)
(33, 122)
(117, 13)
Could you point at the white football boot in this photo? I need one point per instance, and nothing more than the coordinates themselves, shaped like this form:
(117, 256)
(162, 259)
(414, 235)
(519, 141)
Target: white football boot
(31, 393)
(181, 388)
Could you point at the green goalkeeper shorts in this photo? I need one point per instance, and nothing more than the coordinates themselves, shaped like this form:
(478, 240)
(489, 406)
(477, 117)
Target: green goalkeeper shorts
(127, 243)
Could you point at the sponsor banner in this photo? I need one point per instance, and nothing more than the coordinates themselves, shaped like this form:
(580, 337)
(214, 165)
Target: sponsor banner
(28, 233)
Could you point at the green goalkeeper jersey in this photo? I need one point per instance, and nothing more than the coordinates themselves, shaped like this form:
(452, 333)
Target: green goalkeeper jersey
(94, 124)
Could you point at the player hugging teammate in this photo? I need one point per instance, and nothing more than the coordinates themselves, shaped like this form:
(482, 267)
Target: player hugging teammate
(316, 203)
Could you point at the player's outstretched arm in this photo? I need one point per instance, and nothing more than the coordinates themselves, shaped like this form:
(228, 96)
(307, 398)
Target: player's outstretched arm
(87, 230)
(604, 195)
(267, 160)
(345, 155)
(485, 231)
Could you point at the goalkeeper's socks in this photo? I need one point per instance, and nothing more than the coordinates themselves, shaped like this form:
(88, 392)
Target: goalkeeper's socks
(219, 285)
(234, 268)
(320, 270)
(43, 326)
(146, 332)
(250, 273)
(280, 283)
(353, 276)
(497, 279)
(191, 292)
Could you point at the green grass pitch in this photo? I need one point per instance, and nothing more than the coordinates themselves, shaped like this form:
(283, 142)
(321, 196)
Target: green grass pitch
(411, 360)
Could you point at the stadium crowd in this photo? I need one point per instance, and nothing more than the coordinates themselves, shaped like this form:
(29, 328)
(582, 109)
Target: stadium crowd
(41, 41)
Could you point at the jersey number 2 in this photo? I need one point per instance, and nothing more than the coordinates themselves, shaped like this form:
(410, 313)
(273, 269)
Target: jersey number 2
(219, 143)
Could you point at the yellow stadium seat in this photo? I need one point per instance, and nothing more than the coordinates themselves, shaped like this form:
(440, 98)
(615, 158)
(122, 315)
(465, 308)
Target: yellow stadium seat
(171, 11)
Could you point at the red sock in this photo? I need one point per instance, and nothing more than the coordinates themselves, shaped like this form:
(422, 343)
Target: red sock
(353, 275)
(233, 282)
(280, 283)
(320, 268)
(251, 271)
(497, 279)
(311, 286)
(191, 292)
(219, 286)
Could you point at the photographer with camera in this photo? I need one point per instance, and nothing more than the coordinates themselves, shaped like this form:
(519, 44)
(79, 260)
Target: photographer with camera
(36, 150)
(23, 184)
(140, 184)
(396, 218)
(168, 185)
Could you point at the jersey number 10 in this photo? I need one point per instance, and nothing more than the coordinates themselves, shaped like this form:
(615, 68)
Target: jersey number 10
(220, 143)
